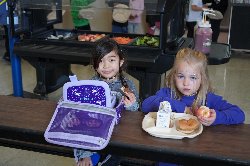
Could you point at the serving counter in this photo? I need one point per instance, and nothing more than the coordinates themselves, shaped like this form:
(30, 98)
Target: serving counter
(23, 124)
(52, 55)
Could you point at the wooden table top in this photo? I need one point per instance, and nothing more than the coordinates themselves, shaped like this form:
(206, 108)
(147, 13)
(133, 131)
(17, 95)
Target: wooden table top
(27, 119)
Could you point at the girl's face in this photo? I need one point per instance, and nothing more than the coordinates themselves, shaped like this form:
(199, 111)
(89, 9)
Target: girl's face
(187, 78)
(109, 65)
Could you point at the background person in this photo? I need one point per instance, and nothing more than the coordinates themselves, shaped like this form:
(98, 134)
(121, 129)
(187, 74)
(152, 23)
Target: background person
(79, 22)
(118, 27)
(7, 47)
(3, 21)
(135, 18)
(193, 15)
(221, 6)
(120, 24)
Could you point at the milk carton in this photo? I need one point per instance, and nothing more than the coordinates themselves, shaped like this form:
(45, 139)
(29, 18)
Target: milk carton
(163, 115)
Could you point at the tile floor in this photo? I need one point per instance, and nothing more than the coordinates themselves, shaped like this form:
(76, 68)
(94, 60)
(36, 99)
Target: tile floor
(230, 80)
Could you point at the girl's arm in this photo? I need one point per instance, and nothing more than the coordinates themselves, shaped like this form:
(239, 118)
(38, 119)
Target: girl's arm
(152, 103)
(226, 113)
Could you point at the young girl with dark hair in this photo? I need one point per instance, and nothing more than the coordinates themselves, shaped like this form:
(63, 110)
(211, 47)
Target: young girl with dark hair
(109, 63)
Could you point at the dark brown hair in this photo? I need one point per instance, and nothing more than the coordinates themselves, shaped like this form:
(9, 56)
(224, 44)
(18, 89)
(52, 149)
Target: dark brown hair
(103, 48)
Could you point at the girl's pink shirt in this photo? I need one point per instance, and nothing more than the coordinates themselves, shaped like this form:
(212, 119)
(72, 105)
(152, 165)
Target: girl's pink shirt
(138, 5)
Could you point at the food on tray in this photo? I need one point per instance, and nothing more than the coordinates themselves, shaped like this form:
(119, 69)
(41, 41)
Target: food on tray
(187, 125)
(203, 111)
(150, 41)
(90, 37)
(122, 40)
(149, 120)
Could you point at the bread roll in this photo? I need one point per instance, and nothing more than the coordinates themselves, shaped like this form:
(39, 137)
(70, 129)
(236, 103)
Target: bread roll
(187, 125)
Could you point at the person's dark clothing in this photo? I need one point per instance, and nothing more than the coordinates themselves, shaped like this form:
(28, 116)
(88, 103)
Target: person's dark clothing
(85, 27)
(119, 27)
(7, 47)
(190, 28)
(220, 6)
(215, 24)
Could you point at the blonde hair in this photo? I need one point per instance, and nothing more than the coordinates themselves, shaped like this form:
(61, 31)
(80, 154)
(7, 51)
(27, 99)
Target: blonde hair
(198, 59)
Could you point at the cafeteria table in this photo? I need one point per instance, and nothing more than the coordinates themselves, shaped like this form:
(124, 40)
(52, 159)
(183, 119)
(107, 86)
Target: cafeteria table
(23, 122)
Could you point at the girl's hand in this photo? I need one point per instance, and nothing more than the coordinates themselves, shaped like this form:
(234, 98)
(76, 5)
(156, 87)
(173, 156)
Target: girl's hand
(85, 162)
(209, 120)
(129, 98)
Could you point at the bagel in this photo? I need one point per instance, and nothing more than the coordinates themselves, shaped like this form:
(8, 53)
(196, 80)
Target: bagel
(187, 125)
